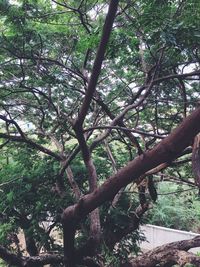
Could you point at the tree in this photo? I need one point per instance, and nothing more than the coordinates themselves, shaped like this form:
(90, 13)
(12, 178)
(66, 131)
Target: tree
(78, 125)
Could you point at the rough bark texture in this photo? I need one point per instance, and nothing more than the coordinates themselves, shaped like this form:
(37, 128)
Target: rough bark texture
(165, 151)
(168, 255)
(69, 225)
(196, 159)
(163, 256)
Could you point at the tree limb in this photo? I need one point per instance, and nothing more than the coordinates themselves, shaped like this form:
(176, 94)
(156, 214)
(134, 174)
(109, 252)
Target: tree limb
(98, 61)
(33, 261)
(9, 257)
(32, 144)
(167, 150)
(168, 255)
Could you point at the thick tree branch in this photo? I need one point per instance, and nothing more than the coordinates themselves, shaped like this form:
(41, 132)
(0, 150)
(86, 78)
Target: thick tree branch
(166, 151)
(195, 159)
(9, 257)
(176, 76)
(98, 61)
(168, 255)
(33, 261)
(95, 227)
(42, 260)
(95, 220)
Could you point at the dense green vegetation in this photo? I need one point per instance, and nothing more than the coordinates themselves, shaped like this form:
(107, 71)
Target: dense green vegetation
(72, 115)
(179, 210)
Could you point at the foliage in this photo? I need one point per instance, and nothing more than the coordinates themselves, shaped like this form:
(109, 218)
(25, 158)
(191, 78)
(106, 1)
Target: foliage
(179, 211)
(146, 85)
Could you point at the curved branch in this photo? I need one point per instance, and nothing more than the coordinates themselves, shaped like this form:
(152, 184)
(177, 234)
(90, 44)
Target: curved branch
(166, 151)
(141, 99)
(98, 61)
(31, 144)
(168, 255)
(177, 76)
(11, 121)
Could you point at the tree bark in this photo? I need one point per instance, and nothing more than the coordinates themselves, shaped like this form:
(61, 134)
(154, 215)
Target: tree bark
(98, 61)
(32, 261)
(196, 159)
(166, 151)
(168, 255)
(95, 229)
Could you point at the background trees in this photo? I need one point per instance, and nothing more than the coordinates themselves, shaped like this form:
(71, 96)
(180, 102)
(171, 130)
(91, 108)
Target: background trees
(73, 116)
